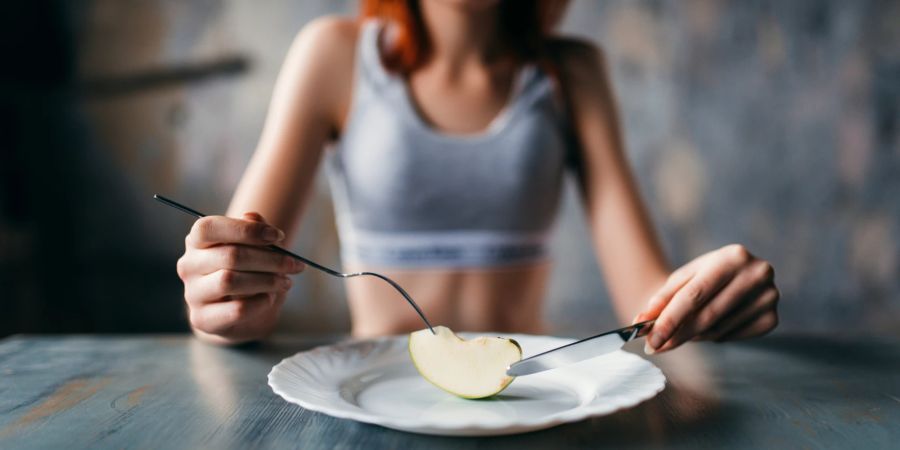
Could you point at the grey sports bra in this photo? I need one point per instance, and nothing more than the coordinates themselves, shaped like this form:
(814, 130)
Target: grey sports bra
(409, 196)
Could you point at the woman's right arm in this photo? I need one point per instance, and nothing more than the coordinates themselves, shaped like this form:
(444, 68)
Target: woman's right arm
(234, 288)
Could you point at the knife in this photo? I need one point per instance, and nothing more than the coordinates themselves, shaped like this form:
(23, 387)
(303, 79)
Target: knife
(579, 350)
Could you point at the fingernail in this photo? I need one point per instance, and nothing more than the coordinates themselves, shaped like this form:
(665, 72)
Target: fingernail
(298, 265)
(635, 320)
(648, 350)
(654, 340)
(271, 234)
(287, 283)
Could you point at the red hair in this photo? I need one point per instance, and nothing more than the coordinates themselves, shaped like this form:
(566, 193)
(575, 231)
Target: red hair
(524, 27)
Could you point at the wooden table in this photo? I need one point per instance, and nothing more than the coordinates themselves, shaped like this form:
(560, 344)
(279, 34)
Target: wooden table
(175, 392)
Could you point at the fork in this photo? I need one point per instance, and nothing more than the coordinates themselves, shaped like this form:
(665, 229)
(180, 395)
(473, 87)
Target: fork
(309, 262)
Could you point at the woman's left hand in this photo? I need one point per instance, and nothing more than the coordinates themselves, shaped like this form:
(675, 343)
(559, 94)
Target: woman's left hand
(723, 295)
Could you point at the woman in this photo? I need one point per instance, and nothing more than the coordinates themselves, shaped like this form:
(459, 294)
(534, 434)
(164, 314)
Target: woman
(453, 121)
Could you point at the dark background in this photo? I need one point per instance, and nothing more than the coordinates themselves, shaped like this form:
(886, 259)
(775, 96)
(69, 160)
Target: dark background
(770, 123)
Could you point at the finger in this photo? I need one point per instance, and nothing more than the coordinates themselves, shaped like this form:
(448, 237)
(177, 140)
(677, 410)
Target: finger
(744, 287)
(759, 326)
(224, 283)
(765, 301)
(671, 343)
(254, 216)
(733, 256)
(224, 317)
(689, 299)
(662, 296)
(244, 258)
(213, 230)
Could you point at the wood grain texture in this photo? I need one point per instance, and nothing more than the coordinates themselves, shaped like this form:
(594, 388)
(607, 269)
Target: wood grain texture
(175, 392)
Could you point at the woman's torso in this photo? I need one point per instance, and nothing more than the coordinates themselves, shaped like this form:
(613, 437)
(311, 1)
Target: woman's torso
(460, 220)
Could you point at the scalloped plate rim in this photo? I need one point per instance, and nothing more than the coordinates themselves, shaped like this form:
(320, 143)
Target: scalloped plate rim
(655, 381)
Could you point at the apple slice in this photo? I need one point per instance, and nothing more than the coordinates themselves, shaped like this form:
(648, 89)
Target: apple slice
(470, 369)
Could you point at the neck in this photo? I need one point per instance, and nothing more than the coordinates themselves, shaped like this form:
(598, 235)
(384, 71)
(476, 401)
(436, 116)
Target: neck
(460, 34)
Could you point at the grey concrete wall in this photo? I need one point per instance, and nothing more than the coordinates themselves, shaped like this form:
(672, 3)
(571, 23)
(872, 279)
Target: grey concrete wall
(770, 123)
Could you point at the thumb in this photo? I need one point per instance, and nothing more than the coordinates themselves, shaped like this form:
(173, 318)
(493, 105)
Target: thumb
(254, 216)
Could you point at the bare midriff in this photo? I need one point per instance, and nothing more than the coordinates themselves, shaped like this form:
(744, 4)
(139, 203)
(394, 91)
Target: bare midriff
(507, 299)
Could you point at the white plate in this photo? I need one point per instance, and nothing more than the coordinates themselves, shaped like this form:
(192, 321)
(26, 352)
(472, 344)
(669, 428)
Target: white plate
(374, 381)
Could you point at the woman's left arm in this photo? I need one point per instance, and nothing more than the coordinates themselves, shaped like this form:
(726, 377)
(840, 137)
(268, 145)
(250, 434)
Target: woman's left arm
(724, 294)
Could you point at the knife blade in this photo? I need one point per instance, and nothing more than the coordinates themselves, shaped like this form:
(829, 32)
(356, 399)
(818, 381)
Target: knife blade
(579, 350)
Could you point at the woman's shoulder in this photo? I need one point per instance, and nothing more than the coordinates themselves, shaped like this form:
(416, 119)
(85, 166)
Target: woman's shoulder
(335, 35)
(321, 59)
(576, 55)
(329, 42)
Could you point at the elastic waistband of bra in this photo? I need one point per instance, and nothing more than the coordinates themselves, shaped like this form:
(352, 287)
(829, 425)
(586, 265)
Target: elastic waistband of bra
(442, 249)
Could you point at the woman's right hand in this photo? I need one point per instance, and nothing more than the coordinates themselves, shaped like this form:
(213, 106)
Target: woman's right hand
(233, 285)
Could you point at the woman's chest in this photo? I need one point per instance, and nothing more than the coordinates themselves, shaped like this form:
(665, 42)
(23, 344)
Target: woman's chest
(460, 107)
(507, 179)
